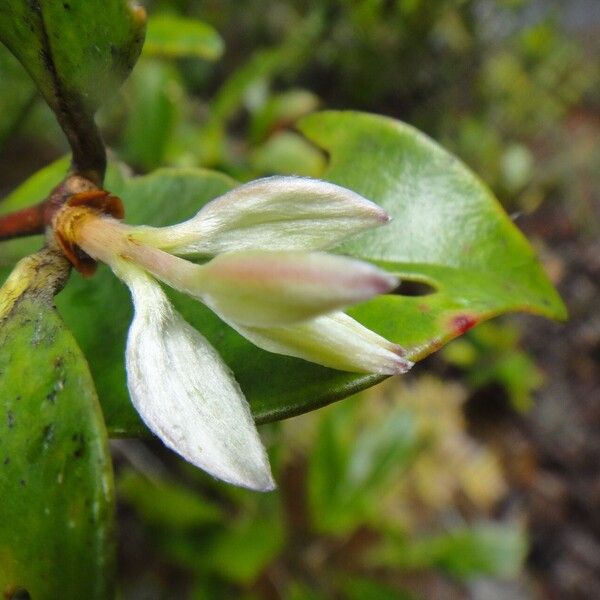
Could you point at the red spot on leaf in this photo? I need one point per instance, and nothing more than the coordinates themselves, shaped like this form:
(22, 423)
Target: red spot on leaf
(462, 323)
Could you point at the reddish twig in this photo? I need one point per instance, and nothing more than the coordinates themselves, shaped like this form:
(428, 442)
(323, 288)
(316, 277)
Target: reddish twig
(28, 221)
(33, 220)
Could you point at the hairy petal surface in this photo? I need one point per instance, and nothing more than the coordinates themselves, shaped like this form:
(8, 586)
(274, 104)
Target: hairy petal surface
(275, 213)
(186, 394)
(335, 340)
(263, 289)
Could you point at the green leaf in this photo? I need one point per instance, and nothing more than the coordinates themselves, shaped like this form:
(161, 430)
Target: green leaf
(287, 153)
(56, 475)
(77, 53)
(167, 505)
(176, 37)
(352, 462)
(360, 588)
(154, 97)
(238, 552)
(280, 111)
(447, 231)
(485, 549)
(16, 93)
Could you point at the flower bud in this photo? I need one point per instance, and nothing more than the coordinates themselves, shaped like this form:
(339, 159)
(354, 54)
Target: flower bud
(264, 289)
(275, 213)
(335, 340)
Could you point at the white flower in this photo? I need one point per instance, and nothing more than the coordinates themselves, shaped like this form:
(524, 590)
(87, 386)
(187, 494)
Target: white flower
(269, 280)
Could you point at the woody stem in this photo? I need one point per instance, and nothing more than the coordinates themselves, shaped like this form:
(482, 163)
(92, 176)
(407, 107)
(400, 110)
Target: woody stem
(21, 223)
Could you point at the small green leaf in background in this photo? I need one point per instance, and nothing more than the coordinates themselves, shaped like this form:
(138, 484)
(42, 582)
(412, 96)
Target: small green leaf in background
(484, 549)
(177, 37)
(287, 153)
(198, 534)
(56, 485)
(16, 93)
(165, 504)
(353, 463)
(492, 354)
(357, 588)
(279, 111)
(155, 93)
(262, 66)
(36, 188)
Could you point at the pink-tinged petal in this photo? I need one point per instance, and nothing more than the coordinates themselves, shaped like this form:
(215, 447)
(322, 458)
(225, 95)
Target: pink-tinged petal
(262, 289)
(335, 340)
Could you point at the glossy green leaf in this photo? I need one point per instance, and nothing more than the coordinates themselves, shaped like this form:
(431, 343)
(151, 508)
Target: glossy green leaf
(74, 51)
(16, 93)
(77, 53)
(56, 474)
(447, 231)
(176, 37)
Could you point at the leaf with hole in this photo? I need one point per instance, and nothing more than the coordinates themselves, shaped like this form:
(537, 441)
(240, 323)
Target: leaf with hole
(449, 237)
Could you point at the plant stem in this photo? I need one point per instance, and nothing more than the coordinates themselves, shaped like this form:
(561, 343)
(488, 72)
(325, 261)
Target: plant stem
(34, 220)
(28, 221)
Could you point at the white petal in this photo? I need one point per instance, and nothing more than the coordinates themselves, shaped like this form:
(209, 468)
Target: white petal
(275, 213)
(186, 394)
(335, 340)
(263, 289)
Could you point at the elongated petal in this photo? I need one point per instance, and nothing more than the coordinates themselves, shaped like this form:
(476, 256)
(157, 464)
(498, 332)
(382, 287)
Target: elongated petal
(278, 288)
(335, 340)
(275, 213)
(186, 394)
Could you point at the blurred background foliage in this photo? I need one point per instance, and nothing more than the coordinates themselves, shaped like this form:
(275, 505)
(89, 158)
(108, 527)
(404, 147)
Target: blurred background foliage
(459, 483)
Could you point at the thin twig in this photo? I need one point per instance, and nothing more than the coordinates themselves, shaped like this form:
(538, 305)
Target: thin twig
(28, 221)
(34, 220)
